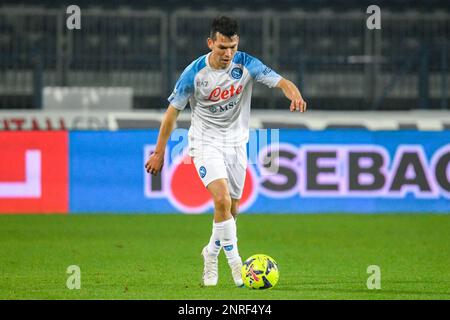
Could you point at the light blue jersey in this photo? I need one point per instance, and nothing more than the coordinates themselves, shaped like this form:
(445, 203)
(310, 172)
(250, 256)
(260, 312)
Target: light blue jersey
(220, 98)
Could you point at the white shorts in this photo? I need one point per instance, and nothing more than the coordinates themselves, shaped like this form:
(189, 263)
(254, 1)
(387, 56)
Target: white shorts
(229, 163)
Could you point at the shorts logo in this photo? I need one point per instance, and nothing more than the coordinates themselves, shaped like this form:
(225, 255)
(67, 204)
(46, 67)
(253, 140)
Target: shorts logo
(202, 171)
(228, 248)
(236, 73)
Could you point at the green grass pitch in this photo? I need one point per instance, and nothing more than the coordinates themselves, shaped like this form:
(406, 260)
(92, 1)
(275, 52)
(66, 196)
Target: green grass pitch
(158, 256)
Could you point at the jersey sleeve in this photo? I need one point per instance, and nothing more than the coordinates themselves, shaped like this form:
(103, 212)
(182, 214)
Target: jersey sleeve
(183, 90)
(260, 72)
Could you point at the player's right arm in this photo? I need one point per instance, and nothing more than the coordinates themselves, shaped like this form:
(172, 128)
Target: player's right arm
(156, 160)
(184, 89)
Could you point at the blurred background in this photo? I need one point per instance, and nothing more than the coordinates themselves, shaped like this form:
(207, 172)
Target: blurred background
(141, 48)
(79, 117)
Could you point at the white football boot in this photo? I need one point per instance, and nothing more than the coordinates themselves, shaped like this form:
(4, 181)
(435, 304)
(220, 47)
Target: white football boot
(236, 272)
(210, 269)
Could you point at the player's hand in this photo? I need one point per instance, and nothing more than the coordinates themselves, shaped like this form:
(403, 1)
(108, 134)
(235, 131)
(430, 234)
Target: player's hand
(298, 105)
(154, 163)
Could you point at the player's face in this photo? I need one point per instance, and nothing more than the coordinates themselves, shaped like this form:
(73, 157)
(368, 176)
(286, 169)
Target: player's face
(223, 50)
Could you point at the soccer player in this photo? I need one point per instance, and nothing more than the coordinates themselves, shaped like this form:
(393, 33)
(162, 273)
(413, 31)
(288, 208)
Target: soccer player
(218, 86)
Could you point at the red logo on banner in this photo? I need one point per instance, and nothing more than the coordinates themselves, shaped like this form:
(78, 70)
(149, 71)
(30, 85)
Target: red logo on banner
(33, 172)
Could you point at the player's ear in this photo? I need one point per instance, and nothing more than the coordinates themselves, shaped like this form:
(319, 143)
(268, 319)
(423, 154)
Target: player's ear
(210, 43)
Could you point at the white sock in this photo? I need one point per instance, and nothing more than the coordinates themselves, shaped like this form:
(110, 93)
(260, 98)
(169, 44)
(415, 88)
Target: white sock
(228, 240)
(214, 245)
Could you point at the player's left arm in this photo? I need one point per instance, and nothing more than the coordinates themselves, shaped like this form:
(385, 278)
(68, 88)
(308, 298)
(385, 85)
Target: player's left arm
(263, 74)
(291, 92)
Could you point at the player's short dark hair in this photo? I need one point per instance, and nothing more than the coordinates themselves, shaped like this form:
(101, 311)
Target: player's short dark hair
(224, 25)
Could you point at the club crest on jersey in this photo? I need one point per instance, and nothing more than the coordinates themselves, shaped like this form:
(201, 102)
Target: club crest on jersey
(202, 171)
(236, 73)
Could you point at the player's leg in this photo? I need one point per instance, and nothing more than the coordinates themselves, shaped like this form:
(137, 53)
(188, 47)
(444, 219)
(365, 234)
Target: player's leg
(222, 200)
(236, 164)
(218, 189)
(211, 169)
(225, 226)
(214, 245)
(223, 234)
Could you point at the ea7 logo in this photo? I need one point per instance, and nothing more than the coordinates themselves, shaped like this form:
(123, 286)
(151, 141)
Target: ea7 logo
(31, 187)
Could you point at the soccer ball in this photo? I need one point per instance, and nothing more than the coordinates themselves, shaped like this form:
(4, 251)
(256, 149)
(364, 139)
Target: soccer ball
(260, 272)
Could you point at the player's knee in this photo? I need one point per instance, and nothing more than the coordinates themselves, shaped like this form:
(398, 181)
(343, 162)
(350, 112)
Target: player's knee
(223, 202)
